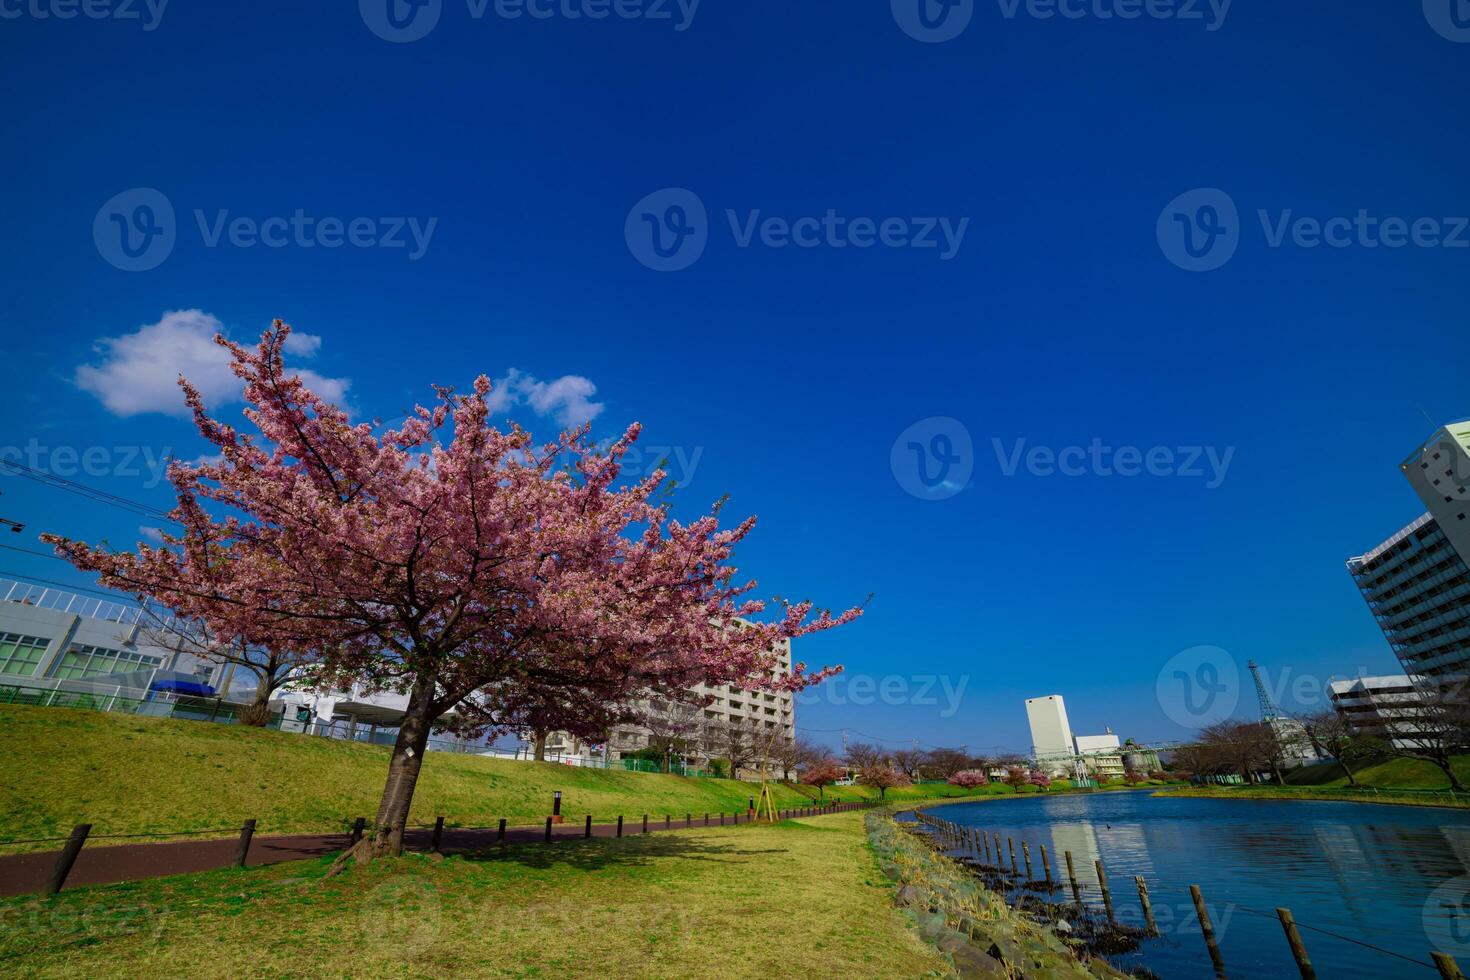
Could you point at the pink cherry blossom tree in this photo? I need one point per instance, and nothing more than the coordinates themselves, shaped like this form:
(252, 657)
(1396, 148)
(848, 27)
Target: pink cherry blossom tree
(482, 574)
(823, 772)
(969, 778)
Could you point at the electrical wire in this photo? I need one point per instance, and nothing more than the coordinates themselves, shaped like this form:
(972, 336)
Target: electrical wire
(82, 490)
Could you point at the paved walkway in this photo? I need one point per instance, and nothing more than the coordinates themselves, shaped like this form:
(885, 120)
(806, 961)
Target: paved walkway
(22, 874)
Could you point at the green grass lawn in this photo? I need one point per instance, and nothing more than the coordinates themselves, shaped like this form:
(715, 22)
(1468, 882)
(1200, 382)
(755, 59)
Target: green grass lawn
(1389, 774)
(125, 775)
(801, 898)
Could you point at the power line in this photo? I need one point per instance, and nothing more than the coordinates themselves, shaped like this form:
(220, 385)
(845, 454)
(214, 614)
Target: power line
(82, 490)
(22, 577)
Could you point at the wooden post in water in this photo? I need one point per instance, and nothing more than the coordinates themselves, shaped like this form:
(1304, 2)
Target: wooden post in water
(1026, 853)
(1148, 909)
(1294, 940)
(1011, 843)
(1448, 968)
(1072, 877)
(1046, 865)
(1209, 931)
(985, 839)
(999, 854)
(1102, 882)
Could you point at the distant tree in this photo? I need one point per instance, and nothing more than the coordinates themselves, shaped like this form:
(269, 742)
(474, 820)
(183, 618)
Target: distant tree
(272, 667)
(675, 727)
(883, 777)
(741, 742)
(861, 755)
(1133, 778)
(823, 772)
(1038, 779)
(1015, 777)
(1333, 736)
(969, 778)
(791, 754)
(910, 762)
(1435, 729)
(942, 763)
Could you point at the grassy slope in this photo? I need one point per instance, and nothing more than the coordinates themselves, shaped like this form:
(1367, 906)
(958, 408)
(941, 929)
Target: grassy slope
(60, 767)
(802, 897)
(1393, 773)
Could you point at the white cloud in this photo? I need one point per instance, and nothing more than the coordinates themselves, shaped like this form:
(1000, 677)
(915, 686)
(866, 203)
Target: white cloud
(149, 533)
(138, 372)
(303, 344)
(568, 399)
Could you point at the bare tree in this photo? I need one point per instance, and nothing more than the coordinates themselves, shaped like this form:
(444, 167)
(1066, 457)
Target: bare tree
(741, 742)
(675, 727)
(271, 668)
(942, 763)
(1330, 732)
(861, 755)
(1436, 728)
(791, 754)
(909, 762)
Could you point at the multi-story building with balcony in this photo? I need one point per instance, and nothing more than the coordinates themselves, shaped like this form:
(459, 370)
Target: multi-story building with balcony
(1418, 588)
(1382, 707)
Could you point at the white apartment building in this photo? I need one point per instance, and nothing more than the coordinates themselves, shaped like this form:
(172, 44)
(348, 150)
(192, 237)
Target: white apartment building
(1439, 472)
(1374, 705)
(763, 714)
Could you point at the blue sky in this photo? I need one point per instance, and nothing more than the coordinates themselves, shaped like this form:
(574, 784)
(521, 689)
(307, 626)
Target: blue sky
(1060, 152)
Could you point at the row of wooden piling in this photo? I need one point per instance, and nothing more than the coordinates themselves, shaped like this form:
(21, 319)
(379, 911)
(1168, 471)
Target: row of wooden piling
(978, 842)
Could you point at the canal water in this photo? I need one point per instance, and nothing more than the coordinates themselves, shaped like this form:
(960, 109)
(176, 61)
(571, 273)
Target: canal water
(1391, 877)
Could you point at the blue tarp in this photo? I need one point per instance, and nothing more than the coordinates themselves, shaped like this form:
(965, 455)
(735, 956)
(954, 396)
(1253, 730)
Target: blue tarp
(179, 686)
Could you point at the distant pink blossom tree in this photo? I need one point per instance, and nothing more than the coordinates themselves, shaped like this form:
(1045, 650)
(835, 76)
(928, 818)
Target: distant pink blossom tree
(969, 778)
(1038, 779)
(823, 772)
(492, 580)
(883, 778)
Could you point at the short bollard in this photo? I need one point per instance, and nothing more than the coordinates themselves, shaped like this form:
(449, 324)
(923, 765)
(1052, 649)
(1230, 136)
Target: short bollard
(500, 831)
(688, 820)
(587, 827)
(1298, 948)
(438, 835)
(666, 821)
(706, 819)
(620, 825)
(242, 847)
(68, 857)
(1211, 943)
(645, 823)
(357, 827)
(548, 830)
(1148, 909)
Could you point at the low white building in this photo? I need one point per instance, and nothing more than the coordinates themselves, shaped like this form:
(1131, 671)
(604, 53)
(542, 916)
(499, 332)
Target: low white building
(1374, 706)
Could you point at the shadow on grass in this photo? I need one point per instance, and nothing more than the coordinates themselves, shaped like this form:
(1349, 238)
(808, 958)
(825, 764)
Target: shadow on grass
(602, 852)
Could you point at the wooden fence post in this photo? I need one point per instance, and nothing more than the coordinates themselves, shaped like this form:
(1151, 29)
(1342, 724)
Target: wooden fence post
(1046, 865)
(1102, 880)
(242, 847)
(1026, 852)
(1148, 909)
(438, 838)
(1294, 940)
(587, 826)
(1447, 967)
(357, 826)
(548, 830)
(67, 857)
(645, 823)
(1011, 843)
(1208, 930)
(1072, 877)
(500, 833)
(620, 825)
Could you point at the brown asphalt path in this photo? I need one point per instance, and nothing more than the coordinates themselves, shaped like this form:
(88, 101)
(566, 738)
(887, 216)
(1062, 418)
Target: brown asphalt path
(23, 874)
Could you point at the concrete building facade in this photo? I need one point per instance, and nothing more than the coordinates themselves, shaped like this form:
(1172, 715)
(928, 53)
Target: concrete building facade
(1051, 732)
(1377, 706)
(1439, 472)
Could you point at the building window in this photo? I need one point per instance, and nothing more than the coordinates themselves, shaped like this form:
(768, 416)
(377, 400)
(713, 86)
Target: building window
(20, 655)
(89, 661)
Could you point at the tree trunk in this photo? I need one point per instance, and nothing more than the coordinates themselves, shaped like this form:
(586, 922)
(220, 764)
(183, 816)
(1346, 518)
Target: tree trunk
(1352, 780)
(538, 746)
(258, 712)
(1448, 769)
